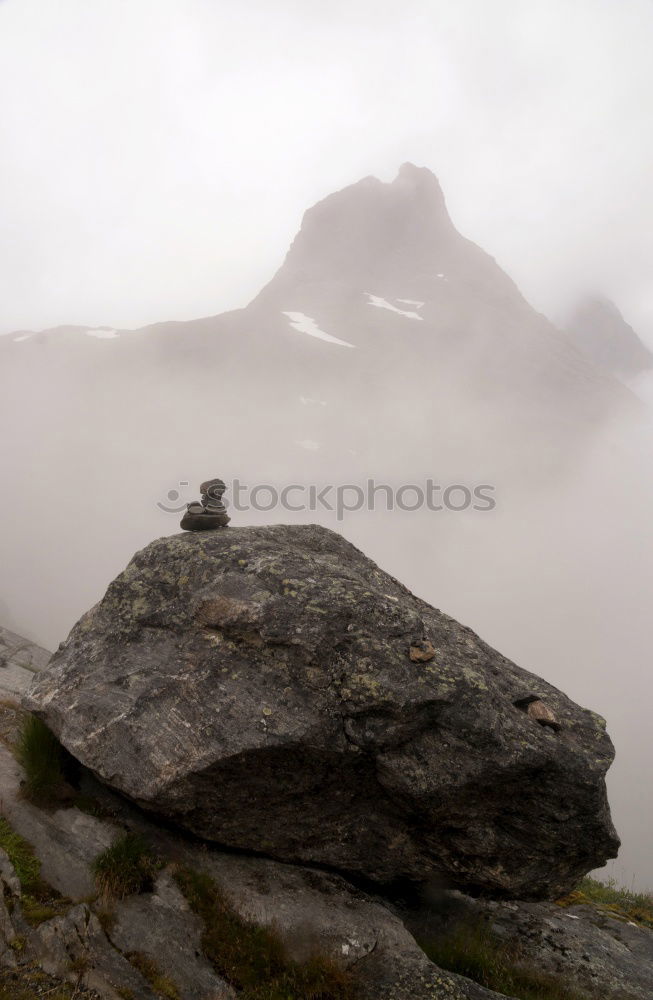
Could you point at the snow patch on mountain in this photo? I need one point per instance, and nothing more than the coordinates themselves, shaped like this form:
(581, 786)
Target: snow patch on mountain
(305, 324)
(23, 336)
(380, 303)
(308, 401)
(411, 302)
(308, 444)
(102, 333)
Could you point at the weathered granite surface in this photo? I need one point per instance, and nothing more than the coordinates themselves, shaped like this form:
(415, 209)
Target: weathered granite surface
(600, 951)
(310, 909)
(20, 659)
(261, 687)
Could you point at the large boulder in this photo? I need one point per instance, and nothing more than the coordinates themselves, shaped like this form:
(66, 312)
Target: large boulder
(271, 689)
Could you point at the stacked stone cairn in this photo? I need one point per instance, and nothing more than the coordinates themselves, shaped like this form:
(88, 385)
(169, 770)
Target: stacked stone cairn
(209, 512)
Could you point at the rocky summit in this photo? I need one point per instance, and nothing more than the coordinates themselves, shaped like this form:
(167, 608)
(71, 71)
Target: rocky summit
(271, 689)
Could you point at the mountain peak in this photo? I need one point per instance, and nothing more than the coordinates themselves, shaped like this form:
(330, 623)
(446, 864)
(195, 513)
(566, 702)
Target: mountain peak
(418, 176)
(410, 169)
(421, 186)
(373, 235)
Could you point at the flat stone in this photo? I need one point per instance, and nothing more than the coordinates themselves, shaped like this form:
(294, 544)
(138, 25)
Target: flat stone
(161, 925)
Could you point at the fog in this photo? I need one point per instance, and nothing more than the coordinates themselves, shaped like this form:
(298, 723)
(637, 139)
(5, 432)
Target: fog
(157, 155)
(157, 160)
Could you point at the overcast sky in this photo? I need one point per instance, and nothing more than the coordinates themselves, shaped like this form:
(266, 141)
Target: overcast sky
(157, 155)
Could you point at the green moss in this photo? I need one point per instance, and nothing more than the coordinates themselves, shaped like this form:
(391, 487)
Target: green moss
(613, 899)
(253, 959)
(128, 866)
(21, 854)
(162, 985)
(39, 900)
(471, 949)
(37, 911)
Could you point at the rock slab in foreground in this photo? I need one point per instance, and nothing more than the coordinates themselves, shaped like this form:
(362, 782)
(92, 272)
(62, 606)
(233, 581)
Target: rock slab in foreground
(256, 686)
(597, 948)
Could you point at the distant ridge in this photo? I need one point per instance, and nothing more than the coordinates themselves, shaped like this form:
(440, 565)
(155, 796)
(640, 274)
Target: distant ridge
(599, 330)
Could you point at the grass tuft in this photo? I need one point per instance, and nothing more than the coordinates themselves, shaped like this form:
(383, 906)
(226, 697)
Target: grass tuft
(253, 959)
(80, 964)
(613, 899)
(471, 949)
(26, 982)
(21, 854)
(37, 911)
(162, 985)
(128, 866)
(39, 901)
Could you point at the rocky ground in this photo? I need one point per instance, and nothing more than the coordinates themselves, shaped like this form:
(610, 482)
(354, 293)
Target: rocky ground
(235, 617)
(305, 905)
(83, 952)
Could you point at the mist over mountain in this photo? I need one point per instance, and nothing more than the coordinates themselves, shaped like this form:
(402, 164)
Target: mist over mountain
(599, 330)
(380, 302)
(387, 347)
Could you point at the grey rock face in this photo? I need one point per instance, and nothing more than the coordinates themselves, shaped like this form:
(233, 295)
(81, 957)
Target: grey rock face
(257, 687)
(51, 834)
(20, 659)
(310, 909)
(161, 925)
(603, 954)
(158, 924)
(78, 936)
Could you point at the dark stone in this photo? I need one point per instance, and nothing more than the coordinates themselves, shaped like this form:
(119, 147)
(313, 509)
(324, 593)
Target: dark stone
(255, 686)
(213, 488)
(204, 521)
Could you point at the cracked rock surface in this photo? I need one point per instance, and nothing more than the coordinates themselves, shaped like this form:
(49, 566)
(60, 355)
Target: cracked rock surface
(310, 909)
(256, 686)
(603, 953)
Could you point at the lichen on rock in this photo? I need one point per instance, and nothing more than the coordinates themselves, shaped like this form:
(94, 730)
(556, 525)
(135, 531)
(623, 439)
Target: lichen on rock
(270, 702)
